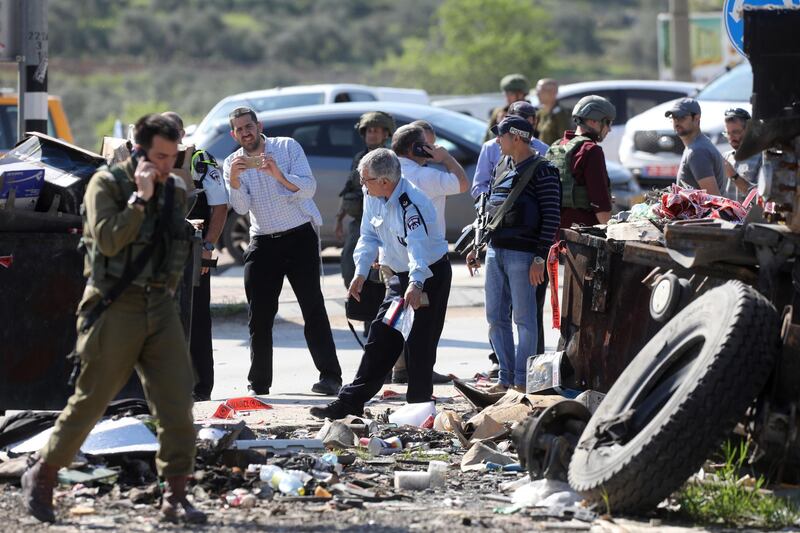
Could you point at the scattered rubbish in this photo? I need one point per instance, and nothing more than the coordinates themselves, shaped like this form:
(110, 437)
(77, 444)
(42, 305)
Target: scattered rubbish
(67, 476)
(280, 444)
(512, 467)
(321, 492)
(211, 434)
(479, 399)
(124, 435)
(81, 510)
(531, 494)
(13, 468)
(481, 453)
(336, 434)
(405, 480)
(231, 406)
(413, 414)
(545, 372)
(389, 394)
(438, 473)
(377, 446)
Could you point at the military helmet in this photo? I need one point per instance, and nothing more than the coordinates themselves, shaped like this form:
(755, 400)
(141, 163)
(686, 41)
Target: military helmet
(595, 108)
(515, 83)
(378, 119)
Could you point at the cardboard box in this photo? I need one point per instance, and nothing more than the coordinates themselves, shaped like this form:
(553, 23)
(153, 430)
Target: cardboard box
(26, 184)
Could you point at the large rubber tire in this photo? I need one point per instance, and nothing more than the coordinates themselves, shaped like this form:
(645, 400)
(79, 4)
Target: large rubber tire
(677, 400)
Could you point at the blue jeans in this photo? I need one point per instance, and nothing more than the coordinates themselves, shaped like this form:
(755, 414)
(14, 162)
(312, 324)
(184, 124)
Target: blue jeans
(508, 287)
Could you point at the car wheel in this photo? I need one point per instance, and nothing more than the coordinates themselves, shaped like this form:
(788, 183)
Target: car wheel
(677, 400)
(236, 235)
(669, 294)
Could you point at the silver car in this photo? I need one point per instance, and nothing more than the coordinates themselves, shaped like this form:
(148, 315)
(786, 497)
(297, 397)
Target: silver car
(328, 136)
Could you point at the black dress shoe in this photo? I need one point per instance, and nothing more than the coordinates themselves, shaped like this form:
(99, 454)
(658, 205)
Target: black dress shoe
(327, 386)
(336, 410)
(438, 378)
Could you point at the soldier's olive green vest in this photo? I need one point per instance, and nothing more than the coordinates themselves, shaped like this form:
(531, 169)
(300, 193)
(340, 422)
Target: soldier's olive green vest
(573, 195)
(167, 263)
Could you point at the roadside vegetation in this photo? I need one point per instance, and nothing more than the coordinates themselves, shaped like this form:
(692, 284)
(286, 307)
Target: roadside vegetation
(118, 60)
(728, 496)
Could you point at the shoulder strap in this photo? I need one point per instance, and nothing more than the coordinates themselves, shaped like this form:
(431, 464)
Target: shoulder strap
(516, 190)
(135, 267)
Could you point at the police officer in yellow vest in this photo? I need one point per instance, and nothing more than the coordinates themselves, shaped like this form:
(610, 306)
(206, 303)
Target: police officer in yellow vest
(137, 242)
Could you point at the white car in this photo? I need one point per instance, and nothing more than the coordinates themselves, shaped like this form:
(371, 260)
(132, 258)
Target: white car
(630, 97)
(302, 95)
(651, 150)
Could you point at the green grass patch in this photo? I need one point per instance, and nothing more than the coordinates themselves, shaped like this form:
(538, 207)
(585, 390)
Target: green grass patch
(228, 310)
(725, 497)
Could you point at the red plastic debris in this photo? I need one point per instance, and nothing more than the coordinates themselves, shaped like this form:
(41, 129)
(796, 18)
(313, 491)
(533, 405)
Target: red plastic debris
(6, 260)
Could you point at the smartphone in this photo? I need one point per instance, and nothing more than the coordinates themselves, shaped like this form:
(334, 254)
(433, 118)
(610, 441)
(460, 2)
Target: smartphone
(138, 155)
(418, 149)
(254, 161)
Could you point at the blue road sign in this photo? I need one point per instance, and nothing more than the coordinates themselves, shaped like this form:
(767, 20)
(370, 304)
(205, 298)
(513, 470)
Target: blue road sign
(733, 12)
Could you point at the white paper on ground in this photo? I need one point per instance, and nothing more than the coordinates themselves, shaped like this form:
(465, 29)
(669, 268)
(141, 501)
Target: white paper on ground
(108, 437)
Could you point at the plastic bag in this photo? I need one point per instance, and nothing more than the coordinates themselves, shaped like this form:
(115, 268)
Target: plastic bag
(400, 317)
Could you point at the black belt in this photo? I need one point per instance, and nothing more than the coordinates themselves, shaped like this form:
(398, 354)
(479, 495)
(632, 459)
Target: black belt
(283, 233)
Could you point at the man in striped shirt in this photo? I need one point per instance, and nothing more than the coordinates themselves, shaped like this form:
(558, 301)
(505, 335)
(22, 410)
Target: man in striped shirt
(518, 247)
(270, 178)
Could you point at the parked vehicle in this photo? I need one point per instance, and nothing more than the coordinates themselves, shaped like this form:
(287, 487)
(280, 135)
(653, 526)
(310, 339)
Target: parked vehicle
(57, 124)
(302, 95)
(651, 149)
(630, 97)
(330, 141)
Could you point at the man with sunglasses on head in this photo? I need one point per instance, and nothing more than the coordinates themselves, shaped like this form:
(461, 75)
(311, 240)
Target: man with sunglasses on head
(742, 175)
(701, 165)
(585, 187)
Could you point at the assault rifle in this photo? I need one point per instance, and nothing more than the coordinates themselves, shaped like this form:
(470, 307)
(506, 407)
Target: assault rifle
(474, 235)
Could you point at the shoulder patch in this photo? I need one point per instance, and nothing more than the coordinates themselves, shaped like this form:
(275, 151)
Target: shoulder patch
(413, 222)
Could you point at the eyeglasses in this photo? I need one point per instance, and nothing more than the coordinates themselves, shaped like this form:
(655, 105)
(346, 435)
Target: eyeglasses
(737, 112)
(363, 181)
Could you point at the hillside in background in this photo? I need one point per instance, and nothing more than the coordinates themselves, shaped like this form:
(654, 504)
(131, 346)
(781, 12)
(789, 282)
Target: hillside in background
(123, 58)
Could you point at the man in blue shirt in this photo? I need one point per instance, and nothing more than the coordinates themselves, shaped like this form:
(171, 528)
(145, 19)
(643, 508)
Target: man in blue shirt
(401, 219)
(490, 154)
(270, 178)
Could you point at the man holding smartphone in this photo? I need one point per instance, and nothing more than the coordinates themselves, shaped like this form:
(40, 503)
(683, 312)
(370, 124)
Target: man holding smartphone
(269, 178)
(410, 143)
(400, 219)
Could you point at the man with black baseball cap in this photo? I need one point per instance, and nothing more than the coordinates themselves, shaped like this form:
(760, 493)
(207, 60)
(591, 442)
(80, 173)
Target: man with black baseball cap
(524, 210)
(701, 165)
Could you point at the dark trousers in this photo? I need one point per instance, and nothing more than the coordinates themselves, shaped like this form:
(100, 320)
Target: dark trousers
(268, 260)
(200, 340)
(384, 344)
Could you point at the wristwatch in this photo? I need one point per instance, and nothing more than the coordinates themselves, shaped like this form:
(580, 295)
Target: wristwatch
(417, 284)
(135, 199)
(538, 260)
(208, 246)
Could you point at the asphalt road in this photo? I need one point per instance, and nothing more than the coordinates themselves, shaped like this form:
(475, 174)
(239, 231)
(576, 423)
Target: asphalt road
(463, 349)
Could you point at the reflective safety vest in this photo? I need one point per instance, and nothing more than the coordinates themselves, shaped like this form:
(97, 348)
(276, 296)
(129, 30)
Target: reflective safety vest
(167, 263)
(573, 195)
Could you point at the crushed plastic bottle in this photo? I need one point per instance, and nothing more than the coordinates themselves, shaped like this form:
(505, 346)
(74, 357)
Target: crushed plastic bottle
(329, 458)
(269, 473)
(291, 485)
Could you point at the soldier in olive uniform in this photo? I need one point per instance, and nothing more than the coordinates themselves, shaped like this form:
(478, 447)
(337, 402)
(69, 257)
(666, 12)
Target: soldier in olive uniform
(137, 242)
(515, 87)
(375, 127)
(552, 119)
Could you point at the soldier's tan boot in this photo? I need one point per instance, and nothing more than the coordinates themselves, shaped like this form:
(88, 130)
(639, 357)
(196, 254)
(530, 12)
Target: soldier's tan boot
(175, 506)
(37, 489)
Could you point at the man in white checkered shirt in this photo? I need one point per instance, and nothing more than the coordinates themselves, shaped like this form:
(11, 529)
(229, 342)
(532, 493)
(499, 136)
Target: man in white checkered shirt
(270, 178)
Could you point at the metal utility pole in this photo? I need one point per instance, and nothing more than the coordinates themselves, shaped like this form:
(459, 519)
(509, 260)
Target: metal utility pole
(32, 67)
(679, 40)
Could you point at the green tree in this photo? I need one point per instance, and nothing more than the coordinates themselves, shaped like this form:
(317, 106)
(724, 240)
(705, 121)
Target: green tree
(471, 44)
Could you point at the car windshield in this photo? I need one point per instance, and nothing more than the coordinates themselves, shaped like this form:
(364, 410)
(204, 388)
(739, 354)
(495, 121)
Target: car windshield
(736, 85)
(464, 126)
(264, 103)
(56, 156)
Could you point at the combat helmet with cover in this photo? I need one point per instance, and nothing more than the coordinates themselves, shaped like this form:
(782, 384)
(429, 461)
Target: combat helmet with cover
(515, 83)
(377, 119)
(594, 107)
